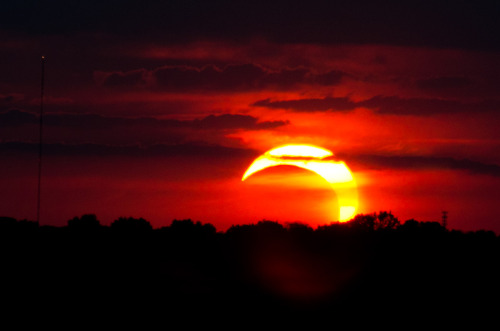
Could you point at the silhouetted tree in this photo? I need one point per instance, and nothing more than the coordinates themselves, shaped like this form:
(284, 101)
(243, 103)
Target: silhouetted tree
(382, 220)
(262, 228)
(410, 224)
(270, 227)
(237, 229)
(7, 224)
(26, 225)
(181, 225)
(386, 220)
(432, 227)
(87, 222)
(299, 228)
(364, 221)
(415, 265)
(188, 226)
(131, 225)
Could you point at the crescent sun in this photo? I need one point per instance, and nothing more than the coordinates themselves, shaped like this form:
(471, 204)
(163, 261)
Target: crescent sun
(317, 160)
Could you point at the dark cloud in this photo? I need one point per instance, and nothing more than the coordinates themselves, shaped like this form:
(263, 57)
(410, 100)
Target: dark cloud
(440, 83)
(464, 24)
(425, 106)
(228, 121)
(422, 162)
(89, 121)
(327, 103)
(384, 105)
(330, 78)
(401, 162)
(6, 98)
(132, 78)
(234, 77)
(412, 106)
(16, 118)
(242, 77)
(92, 128)
(8, 101)
(100, 150)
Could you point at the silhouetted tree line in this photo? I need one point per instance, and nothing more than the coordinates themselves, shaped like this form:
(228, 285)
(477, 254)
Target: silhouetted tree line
(372, 264)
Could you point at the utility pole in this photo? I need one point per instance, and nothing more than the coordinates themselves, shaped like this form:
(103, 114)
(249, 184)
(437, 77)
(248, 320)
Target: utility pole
(40, 142)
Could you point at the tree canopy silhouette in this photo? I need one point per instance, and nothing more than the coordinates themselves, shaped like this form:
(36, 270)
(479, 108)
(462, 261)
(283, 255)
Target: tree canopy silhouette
(187, 226)
(87, 222)
(376, 221)
(373, 262)
(131, 225)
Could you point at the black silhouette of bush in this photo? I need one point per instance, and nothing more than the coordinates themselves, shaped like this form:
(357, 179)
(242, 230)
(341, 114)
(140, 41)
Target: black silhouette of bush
(87, 222)
(377, 262)
(131, 225)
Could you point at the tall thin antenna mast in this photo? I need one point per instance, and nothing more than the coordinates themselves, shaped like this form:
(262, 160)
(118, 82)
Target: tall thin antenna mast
(40, 142)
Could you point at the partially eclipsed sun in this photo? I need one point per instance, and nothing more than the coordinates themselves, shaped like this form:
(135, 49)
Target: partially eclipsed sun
(314, 158)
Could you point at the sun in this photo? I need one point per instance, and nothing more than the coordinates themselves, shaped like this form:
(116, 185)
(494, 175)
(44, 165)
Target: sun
(317, 160)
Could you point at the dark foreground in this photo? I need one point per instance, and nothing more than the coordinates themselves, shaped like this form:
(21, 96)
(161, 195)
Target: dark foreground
(369, 273)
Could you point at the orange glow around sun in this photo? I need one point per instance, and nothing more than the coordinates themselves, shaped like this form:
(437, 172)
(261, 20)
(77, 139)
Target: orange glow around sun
(314, 159)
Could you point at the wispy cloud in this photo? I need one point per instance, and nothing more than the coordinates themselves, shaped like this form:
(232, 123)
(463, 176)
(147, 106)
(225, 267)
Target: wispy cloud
(383, 104)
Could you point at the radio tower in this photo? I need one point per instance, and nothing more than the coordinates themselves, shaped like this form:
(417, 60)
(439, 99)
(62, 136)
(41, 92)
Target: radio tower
(444, 219)
(40, 142)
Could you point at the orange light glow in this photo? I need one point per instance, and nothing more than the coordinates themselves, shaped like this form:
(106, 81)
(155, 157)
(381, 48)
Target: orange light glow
(300, 151)
(312, 158)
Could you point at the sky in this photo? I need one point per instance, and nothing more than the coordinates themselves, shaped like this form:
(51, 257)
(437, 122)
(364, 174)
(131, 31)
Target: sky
(155, 109)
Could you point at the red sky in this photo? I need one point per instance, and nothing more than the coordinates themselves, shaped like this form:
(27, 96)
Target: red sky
(154, 112)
